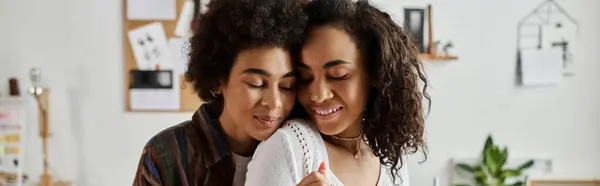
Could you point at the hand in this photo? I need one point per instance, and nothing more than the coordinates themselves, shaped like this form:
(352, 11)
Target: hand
(317, 178)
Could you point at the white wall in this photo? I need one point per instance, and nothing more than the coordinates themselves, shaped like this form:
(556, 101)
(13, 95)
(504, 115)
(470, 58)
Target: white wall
(77, 44)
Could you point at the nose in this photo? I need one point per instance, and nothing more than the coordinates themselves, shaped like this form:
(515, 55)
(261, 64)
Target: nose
(319, 91)
(272, 99)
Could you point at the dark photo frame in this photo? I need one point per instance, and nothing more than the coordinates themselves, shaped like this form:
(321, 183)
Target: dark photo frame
(197, 4)
(414, 23)
(197, 11)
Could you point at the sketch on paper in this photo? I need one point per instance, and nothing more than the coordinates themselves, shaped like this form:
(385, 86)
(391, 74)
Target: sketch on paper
(150, 47)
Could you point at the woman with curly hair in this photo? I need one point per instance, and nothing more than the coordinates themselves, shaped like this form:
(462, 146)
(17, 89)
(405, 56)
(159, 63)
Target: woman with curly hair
(240, 65)
(360, 85)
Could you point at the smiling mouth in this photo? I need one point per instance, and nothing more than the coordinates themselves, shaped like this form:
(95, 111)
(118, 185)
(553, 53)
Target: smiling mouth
(327, 112)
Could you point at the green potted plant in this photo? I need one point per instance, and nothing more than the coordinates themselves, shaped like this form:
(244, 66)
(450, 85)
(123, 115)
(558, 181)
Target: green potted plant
(491, 170)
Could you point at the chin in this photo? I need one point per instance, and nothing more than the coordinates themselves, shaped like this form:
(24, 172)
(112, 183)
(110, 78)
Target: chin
(329, 128)
(262, 135)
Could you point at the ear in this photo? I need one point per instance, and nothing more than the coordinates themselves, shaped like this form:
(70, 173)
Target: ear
(219, 90)
(222, 86)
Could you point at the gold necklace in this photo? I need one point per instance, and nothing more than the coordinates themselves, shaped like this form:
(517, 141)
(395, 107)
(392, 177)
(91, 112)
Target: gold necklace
(357, 139)
(347, 138)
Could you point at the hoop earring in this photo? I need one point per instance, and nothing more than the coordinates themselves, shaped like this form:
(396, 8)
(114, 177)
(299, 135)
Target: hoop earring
(214, 93)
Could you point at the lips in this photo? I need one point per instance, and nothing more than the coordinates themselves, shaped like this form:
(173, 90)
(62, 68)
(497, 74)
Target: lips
(267, 121)
(326, 112)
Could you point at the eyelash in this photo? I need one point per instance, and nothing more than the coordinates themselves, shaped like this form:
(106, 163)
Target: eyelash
(262, 86)
(254, 86)
(341, 78)
(287, 89)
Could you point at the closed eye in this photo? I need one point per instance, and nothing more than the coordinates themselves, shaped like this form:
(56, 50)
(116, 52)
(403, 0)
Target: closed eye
(254, 86)
(287, 88)
(339, 78)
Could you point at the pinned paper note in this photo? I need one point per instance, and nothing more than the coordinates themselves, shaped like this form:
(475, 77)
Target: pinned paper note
(10, 138)
(11, 144)
(150, 48)
(184, 24)
(541, 67)
(151, 9)
(180, 51)
(159, 91)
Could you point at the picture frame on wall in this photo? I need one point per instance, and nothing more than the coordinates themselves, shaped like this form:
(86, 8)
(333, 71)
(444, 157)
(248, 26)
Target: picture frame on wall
(414, 23)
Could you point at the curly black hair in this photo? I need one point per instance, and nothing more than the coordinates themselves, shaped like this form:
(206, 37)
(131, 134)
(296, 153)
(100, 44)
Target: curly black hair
(394, 118)
(231, 26)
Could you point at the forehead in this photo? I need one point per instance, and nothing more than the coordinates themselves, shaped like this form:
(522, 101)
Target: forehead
(274, 60)
(328, 43)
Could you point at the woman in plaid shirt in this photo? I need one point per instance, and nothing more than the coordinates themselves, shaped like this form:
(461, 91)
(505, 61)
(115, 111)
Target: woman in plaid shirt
(240, 65)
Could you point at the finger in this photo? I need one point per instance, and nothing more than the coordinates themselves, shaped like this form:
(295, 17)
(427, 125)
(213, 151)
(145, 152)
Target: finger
(321, 183)
(318, 183)
(312, 178)
(322, 168)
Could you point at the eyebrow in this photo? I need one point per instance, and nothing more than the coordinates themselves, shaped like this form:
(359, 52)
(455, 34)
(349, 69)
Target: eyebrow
(256, 71)
(334, 63)
(289, 74)
(265, 73)
(326, 65)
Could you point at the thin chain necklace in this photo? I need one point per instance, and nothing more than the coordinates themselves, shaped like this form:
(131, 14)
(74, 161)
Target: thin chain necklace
(357, 139)
(347, 138)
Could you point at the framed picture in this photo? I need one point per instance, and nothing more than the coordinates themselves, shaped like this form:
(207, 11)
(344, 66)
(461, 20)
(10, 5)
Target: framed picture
(414, 22)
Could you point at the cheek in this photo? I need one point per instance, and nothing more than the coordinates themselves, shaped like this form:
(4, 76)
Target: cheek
(288, 99)
(303, 94)
(241, 98)
(352, 93)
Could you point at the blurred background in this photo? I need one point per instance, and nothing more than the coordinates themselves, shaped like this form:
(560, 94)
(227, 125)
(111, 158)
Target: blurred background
(79, 46)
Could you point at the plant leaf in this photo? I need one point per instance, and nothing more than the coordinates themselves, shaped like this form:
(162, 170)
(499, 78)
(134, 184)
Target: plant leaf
(466, 167)
(503, 157)
(510, 173)
(480, 176)
(488, 144)
(480, 182)
(525, 165)
(491, 161)
(519, 183)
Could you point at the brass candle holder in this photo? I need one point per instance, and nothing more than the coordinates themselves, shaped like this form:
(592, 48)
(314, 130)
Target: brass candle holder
(41, 95)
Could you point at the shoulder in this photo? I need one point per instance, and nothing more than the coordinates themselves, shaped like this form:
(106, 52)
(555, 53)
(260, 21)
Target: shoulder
(174, 144)
(293, 135)
(165, 139)
(301, 127)
(163, 147)
(301, 134)
(293, 151)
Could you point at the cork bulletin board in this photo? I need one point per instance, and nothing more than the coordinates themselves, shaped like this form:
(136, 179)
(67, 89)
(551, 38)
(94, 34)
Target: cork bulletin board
(189, 101)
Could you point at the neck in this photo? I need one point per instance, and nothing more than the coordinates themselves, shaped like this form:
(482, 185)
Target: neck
(238, 140)
(352, 131)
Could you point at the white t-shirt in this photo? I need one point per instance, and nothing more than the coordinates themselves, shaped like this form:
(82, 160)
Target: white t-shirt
(241, 167)
(296, 150)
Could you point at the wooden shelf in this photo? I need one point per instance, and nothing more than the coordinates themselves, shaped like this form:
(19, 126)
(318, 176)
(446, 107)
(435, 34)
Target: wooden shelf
(591, 182)
(430, 57)
(431, 54)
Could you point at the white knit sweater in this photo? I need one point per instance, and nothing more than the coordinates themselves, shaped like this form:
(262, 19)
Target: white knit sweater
(294, 151)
